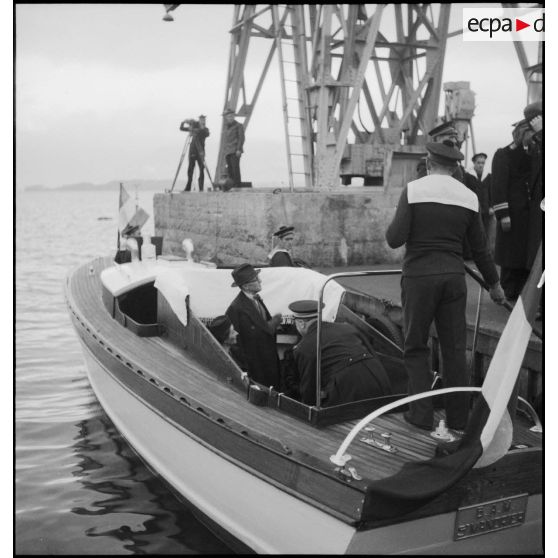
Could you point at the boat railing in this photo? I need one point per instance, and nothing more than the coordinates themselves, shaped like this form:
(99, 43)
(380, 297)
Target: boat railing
(319, 325)
(340, 458)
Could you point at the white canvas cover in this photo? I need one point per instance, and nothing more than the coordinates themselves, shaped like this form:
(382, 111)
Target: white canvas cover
(211, 293)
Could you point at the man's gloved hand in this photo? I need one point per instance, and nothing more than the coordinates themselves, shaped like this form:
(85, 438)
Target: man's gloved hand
(505, 223)
(497, 293)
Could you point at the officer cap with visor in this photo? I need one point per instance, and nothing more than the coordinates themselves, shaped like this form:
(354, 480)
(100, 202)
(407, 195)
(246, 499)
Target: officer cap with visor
(443, 154)
(305, 309)
(284, 232)
(443, 129)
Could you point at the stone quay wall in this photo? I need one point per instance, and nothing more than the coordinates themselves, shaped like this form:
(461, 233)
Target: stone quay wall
(332, 228)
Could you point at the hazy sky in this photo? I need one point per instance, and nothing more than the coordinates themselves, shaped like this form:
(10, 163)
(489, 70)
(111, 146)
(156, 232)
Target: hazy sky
(101, 90)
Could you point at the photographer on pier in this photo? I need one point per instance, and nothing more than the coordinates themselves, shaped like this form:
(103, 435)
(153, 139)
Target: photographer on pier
(196, 153)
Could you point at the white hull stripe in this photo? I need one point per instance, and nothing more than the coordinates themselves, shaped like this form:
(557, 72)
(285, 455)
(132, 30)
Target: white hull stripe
(260, 515)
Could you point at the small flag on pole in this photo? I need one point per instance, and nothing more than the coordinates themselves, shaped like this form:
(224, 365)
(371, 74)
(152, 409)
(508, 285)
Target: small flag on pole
(130, 218)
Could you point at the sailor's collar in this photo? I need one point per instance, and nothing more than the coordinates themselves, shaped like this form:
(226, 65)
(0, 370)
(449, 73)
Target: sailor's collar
(437, 188)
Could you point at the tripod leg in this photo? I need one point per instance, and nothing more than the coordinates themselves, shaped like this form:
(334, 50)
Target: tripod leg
(208, 174)
(186, 144)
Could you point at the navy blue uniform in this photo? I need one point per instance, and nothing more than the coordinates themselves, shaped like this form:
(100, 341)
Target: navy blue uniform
(281, 258)
(434, 216)
(350, 370)
(511, 174)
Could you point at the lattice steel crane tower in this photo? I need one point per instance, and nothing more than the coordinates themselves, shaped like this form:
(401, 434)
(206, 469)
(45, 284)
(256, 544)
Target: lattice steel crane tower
(360, 85)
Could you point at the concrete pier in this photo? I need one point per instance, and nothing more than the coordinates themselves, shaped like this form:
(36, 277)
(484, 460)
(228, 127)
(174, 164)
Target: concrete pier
(333, 227)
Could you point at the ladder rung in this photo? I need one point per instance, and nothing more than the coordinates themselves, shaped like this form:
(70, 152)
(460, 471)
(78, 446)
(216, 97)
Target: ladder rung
(290, 62)
(293, 80)
(306, 173)
(295, 136)
(298, 155)
(293, 99)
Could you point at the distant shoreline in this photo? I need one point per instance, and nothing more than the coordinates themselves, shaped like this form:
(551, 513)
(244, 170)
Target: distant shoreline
(107, 187)
(130, 185)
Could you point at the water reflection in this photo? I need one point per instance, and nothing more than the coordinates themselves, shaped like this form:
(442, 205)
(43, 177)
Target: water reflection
(161, 524)
(79, 487)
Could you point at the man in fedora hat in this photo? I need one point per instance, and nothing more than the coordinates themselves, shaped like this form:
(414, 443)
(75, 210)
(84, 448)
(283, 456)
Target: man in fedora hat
(196, 153)
(350, 369)
(255, 326)
(233, 146)
(511, 178)
(434, 215)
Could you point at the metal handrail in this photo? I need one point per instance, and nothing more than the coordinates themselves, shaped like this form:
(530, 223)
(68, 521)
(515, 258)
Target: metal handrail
(319, 326)
(340, 458)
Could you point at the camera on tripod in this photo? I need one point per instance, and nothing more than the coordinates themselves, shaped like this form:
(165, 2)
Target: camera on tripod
(189, 125)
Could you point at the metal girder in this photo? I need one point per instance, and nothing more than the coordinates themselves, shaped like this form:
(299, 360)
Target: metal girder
(341, 99)
(411, 102)
(526, 67)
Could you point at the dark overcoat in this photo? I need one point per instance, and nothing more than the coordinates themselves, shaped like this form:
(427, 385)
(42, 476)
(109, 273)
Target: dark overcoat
(536, 191)
(256, 340)
(350, 369)
(511, 174)
(281, 258)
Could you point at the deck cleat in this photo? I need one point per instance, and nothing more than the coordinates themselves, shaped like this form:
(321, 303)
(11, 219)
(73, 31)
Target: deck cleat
(370, 437)
(387, 442)
(354, 473)
(442, 432)
(384, 444)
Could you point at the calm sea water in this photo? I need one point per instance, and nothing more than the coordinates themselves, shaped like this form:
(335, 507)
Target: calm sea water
(80, 489)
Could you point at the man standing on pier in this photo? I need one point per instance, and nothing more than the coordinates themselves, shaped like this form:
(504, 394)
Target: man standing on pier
(480, 182)
(196, 153)
(434, 216)
(234, 142)
(511, 175)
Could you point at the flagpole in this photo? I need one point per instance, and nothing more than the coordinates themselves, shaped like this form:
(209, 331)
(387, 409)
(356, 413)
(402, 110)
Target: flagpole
(118, 228)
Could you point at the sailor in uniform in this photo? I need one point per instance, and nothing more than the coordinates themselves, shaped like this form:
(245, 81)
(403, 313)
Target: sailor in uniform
(350, 369)
(434, 215)
(281, 255)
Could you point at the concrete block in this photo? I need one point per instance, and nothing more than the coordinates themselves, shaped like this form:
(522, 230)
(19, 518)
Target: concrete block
(333, 228)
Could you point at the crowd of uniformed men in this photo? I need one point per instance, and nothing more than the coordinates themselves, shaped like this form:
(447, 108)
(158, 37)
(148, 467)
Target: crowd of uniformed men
(443, 217)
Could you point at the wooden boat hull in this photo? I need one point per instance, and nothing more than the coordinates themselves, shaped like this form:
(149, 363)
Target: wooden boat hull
(267, 499)
(263, 517)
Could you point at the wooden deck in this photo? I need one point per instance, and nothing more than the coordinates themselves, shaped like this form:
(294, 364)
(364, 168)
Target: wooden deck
(176, 369)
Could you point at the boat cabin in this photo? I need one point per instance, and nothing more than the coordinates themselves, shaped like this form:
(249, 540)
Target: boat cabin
(178, 300)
